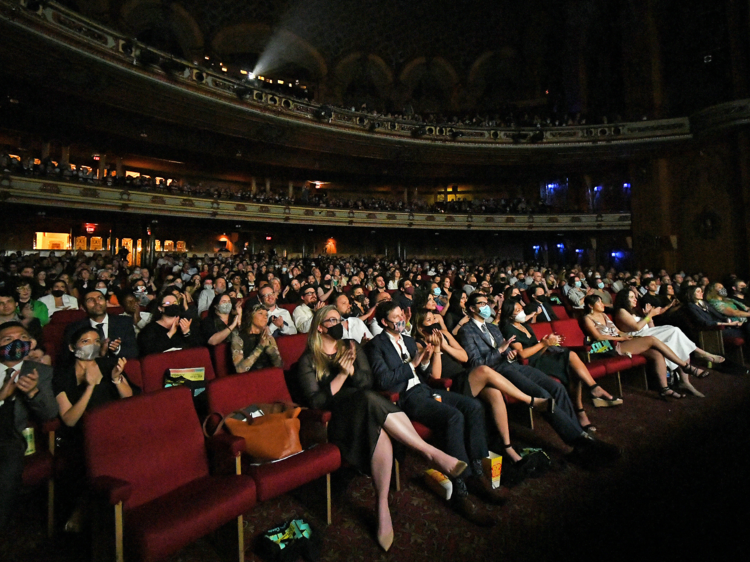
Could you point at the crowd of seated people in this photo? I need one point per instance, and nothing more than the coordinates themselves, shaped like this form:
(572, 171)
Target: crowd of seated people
(400, 326)
(309, 197)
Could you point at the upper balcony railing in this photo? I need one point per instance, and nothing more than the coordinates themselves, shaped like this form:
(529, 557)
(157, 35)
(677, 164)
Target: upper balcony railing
(40, 191)
(61, 24)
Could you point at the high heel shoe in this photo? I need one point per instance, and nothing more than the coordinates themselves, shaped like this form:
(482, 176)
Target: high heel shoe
(691, 389)
(694, 372)
(386, 541)
(458, 470)
(601, 401)
(666, 393)
(589, 428)
(550, 405)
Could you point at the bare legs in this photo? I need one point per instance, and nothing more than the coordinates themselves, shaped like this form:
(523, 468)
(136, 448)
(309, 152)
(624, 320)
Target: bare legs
(489, 385)
(399, 427)
(499, 411)
(381, 465)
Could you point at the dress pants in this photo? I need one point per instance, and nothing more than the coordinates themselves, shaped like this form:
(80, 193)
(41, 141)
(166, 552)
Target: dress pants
(11, 471)
(458, 421)
(535, 383)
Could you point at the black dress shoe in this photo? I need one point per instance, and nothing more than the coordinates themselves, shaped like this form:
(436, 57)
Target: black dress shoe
(469, 511)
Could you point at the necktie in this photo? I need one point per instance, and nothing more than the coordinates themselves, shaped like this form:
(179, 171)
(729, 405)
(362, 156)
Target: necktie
(100, 329)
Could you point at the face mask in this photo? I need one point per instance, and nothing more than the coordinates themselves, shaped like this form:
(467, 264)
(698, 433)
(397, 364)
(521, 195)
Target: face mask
(15, 350)
(600, 285)
(172, 310)
(399, 326)
(178, 285)
(485, 312)
(436, 291)
(139, 290)
(88, 352)
(58, 293)
(409, 290)
(520, 317)
(337, 331)
(283, 269)
(224, 308)
(430, 328)
(722, 292)
(577, 284)
(103, 291)
(360, 298)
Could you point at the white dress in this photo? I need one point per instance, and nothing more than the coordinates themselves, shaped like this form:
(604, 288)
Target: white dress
(675, 339)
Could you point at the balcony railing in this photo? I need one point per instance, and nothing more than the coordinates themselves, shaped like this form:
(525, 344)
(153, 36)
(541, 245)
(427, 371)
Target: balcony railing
(37, 191)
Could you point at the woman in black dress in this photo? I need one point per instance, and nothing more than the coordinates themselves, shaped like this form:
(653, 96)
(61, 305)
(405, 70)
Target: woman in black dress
(556, 361)
(456, 316)
(334, 375)
(168, 329)
(89, 382)
(222, 319)
(483, 383)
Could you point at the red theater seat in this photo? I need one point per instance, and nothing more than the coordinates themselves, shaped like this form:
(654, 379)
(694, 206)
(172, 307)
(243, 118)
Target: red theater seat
(228, 394)
(155, 366)
(154, 471)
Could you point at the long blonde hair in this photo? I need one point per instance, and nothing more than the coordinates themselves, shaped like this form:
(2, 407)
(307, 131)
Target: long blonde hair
(321, 361)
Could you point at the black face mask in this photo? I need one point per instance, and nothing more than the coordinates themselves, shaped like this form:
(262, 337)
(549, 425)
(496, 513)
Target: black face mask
(431, 328)
(337, 331)
(57, 293)
(360, 298)
(172, 310)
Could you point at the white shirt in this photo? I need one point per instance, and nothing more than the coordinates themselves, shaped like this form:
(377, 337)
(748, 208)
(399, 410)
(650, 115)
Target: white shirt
(105, 325)
(67, 302)
(3, 374)
(398, 343)
(145, 319)
(355, 329)
(375, 328)
(303, 316)
(392, 285)
(288, 329)
(205, 299)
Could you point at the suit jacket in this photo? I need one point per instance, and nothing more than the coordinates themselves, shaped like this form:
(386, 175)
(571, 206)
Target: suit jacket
(532, 307)
(705, 319)
(119, 327)
(43, 406)
(478, 348)
(388, 369)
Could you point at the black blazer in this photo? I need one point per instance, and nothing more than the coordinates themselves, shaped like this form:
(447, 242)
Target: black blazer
(389, 372)
(119, 327)
(532, 307)
(477, 346)
(705, 319)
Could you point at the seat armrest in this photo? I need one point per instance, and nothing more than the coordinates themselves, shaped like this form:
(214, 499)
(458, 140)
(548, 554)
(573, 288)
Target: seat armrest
(312, 415)
(112, 489)
(444, 384)
(226, 444)
(391, 396)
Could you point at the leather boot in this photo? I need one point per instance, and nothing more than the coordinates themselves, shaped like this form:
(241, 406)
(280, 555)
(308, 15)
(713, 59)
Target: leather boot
(462, 504)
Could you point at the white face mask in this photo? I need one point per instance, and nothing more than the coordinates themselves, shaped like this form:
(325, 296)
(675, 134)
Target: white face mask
(520, 317)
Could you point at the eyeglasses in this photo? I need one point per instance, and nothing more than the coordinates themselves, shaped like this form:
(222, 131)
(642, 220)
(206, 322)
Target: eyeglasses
(308, 293)
(332, 321)
(478, 303)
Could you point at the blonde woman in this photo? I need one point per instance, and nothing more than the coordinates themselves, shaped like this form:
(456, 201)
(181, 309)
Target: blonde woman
(334, 375)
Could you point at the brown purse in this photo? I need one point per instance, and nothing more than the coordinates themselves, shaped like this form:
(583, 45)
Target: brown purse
(274, 435)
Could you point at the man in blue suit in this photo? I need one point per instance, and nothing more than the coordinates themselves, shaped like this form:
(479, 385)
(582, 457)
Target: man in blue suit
(117, 332)
(485, 345)
(399, 366)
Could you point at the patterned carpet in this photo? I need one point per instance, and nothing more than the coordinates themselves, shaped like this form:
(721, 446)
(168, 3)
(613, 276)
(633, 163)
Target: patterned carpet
(680, 492)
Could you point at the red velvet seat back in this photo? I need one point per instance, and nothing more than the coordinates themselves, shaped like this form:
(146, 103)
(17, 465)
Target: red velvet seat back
(291, 349)
(221, 357)
(289, 307)
(152, 441)
(560, 311)
(571, 331)
(133, 372)
(542, 329)
(155, 366)
(67, 316)
(228, 394)
(53, 335)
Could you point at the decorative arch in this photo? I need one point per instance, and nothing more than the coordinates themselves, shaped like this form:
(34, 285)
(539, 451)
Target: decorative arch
(430, 84)
(494, 78)
(362, 78)
(139, 16)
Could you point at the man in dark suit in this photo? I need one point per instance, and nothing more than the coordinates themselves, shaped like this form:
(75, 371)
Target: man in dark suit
(538, 300)
(399, 366)
(485, 345)
(25, 392)
(117, 332)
